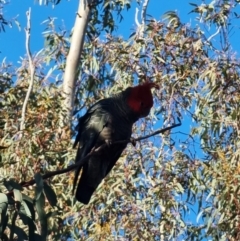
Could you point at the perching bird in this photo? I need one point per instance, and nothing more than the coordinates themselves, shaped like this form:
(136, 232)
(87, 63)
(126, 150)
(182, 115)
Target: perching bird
(107, 121)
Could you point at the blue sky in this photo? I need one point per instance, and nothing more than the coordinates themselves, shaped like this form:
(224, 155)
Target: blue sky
(12, 42)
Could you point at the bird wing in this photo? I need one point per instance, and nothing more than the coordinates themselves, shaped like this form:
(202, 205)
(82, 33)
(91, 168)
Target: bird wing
(95, 170)
(100, 124)
(90, 127)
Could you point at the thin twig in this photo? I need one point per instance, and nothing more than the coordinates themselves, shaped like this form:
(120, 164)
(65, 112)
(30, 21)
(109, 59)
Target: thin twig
(159, 131)
(96, 152)
(213, 35)
(136, 18)
(31, 68)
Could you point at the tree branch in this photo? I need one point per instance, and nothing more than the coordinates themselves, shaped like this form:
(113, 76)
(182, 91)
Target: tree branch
(31, 68)
(140, 27)
(144, 11)
(216, 33)
(136, 18)
(95, 152)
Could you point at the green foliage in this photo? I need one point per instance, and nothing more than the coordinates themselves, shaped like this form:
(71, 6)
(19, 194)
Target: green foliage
(155, 185)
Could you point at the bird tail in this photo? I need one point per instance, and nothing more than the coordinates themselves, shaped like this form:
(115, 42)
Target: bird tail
(84, 192)
(80, 155)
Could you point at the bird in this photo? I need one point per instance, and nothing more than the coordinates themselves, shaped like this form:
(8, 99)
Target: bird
(107, 121)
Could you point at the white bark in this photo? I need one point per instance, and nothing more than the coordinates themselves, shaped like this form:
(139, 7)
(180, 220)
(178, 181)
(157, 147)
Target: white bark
(31, 69)
(73, 58)
(140, 27)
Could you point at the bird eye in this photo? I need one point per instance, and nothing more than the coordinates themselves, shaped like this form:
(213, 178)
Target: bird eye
(142, 104)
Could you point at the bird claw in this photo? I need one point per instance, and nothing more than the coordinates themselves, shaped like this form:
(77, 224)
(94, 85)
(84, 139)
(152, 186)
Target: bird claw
(133, 141)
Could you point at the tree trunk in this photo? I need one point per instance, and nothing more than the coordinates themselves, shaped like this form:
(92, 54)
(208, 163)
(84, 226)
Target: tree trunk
(73, 59)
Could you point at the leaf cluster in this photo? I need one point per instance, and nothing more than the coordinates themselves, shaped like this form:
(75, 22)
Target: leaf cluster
(156, 185)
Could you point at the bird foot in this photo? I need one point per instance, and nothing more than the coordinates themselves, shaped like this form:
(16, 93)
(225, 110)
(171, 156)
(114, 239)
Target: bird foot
(133, 141)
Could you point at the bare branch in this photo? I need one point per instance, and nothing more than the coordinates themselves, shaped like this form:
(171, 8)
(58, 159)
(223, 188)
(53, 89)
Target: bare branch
(213, 35)
(144, 11)
(96, 152)
(159, 131)
(31, 68)
(136, 18)
(140, 27)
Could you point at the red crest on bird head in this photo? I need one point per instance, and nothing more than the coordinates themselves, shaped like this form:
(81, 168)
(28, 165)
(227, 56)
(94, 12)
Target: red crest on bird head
(140, 99)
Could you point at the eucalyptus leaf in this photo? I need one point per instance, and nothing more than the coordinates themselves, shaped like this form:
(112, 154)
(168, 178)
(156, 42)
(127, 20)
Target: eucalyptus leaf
(50, 194)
